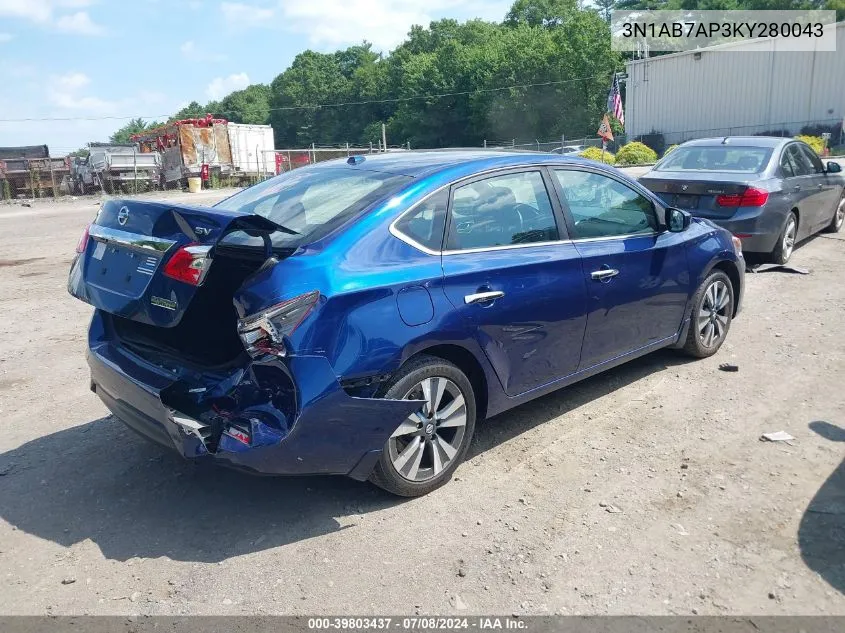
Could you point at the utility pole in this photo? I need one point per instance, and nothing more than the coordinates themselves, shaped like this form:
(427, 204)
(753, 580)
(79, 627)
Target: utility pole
(384, 137)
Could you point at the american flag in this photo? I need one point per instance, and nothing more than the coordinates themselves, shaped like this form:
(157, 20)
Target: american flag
(614, 101)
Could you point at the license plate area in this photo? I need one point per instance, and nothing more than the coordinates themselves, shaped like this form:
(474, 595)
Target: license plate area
(685, 201)
(121, 269)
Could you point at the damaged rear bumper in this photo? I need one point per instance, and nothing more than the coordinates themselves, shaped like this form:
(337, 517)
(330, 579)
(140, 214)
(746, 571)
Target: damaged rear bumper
(280, 417)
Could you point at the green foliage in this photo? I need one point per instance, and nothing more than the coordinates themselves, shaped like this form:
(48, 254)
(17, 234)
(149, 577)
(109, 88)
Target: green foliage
(595, 153)
(344, 96)
(816, 142)
(671, 148)
(250, 105)
(547, 13)
(135, 126)
(635, 153)
(191, 111)
(82, 152)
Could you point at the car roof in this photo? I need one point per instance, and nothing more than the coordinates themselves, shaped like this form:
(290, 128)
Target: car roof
(418, 163)
(742, 141)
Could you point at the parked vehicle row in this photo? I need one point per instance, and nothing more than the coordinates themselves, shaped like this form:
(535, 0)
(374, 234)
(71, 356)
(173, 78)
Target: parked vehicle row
(360, 316)
(114, 168)
(770, 192)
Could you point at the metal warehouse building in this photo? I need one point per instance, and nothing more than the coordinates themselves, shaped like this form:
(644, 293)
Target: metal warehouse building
(738, 88)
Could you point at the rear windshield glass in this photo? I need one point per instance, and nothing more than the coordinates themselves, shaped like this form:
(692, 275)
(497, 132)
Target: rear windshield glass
(312, 202)
(740, 159)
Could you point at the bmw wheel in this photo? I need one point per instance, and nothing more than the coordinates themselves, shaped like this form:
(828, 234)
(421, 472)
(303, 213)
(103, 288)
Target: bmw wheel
(786, 241)
(838, 218)
(424, 451)
(712, 313)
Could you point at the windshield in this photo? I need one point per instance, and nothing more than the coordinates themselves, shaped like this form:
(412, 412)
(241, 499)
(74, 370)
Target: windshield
(719, 158)
(311, 202)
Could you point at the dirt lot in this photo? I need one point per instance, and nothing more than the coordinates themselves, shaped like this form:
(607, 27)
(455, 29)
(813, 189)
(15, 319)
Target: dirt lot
(711, 521)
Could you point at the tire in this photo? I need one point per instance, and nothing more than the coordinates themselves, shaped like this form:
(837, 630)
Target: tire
(786, 241)
(838, 218)
(423, 455)
(717, 320)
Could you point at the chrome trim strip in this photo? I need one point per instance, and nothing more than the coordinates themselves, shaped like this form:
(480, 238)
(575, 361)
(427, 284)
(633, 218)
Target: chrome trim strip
(506, 247)
(131, 240)
(608, 238)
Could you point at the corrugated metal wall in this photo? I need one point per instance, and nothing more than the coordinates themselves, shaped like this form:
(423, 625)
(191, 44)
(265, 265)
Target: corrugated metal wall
(733, 91)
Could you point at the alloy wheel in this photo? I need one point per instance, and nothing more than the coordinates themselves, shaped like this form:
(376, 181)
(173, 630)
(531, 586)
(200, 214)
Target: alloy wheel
(840, 214)
(713, 314)
(430, 438)
(789, 238)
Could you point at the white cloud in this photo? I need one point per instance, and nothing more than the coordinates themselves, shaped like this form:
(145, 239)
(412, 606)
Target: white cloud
(79, 23)
(385, 23)
(72, 81)
(50, 13)
(5, 37)
(191, 51)
(35, 10)
(240, 14)
(221, 86)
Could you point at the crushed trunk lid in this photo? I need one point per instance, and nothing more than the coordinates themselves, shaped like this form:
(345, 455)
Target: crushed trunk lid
(121, 267)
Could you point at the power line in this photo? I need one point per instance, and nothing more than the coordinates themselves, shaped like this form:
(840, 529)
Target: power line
(324, 105)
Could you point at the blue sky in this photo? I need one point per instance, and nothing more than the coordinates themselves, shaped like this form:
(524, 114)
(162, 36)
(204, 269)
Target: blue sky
(94, 59)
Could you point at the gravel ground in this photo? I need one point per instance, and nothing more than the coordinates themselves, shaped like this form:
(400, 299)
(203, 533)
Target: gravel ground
(644, 490)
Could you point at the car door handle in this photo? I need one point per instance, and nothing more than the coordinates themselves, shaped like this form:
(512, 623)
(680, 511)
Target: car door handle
(484, 297)
(604, 273)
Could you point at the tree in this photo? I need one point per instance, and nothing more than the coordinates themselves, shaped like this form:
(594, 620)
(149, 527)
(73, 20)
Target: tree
(135, 126)
(546, 13)
(250, 105)
(605, 8)
(191, 111)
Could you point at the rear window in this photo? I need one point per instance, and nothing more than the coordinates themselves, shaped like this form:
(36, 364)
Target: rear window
(312, 202)
(749, 160)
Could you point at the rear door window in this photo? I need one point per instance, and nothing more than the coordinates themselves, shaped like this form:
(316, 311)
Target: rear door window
(786, 165)
(500, 211)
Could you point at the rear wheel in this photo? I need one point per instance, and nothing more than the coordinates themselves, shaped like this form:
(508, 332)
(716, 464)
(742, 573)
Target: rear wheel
(423, 453)
(712, 312)
(838, 218)
(786, 241)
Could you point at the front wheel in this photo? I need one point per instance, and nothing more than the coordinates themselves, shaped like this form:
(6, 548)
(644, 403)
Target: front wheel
(838, 218)
(712, 312)
(424, 451)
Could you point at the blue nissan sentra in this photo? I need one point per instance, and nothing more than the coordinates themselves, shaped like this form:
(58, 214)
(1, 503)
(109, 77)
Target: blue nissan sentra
(360, 316)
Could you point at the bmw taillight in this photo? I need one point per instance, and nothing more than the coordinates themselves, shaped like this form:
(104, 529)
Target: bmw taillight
(751, 197)
(189, 264)
(264, 332)
(82, 244)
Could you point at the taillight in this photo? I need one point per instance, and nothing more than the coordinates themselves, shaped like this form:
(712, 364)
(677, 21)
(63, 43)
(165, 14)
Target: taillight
(82, 244)
(264, 333)
(751, 197)
(189, 264)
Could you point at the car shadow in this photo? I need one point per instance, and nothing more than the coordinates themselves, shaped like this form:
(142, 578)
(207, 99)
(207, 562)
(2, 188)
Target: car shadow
(100, 481)
(821, 534)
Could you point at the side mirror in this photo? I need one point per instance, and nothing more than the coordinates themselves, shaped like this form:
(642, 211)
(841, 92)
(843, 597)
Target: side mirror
(833, 168)
(677, 220)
